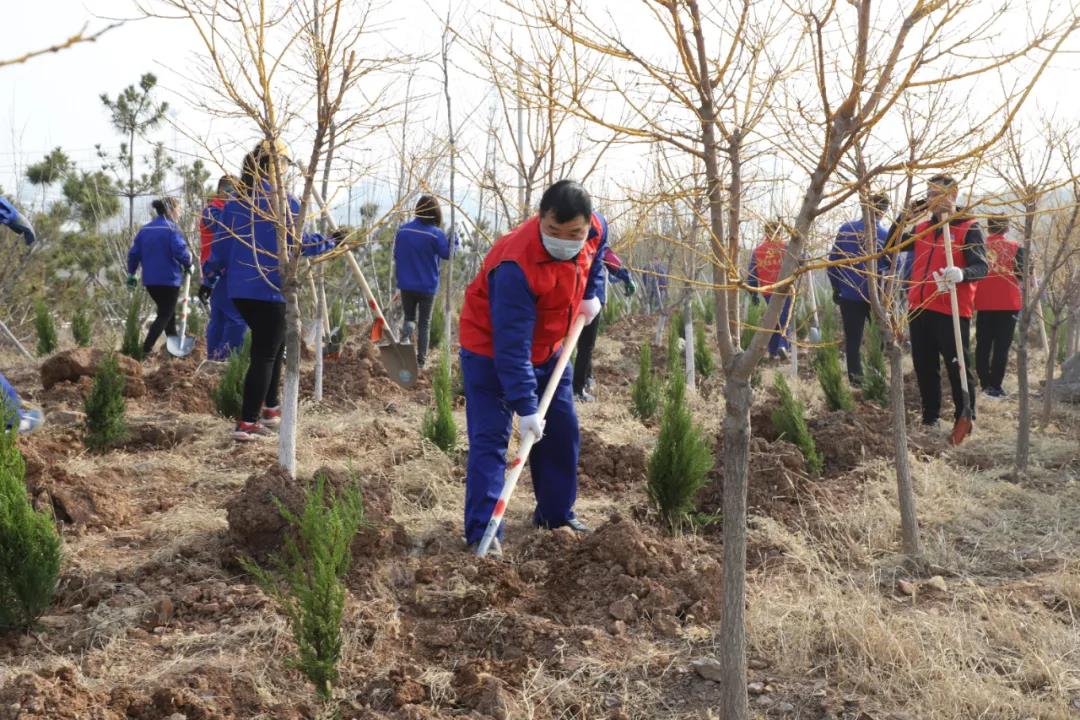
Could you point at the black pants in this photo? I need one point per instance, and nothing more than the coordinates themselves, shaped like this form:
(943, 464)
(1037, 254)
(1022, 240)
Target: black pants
(932, 338)
(415, 303)
(165, 297)
(583, 361)
(854, 314)
(993, 338)
(266, 320)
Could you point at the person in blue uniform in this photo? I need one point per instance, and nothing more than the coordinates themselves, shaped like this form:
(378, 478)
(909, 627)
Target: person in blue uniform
(160, 249)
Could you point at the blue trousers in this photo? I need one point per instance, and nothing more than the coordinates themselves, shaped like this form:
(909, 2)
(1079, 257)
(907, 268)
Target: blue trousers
(9, 401)
(552, 462)
(225, 330)
(779, 339)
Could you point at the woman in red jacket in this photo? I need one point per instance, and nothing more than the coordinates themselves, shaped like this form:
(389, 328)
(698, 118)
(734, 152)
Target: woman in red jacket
(997, 303)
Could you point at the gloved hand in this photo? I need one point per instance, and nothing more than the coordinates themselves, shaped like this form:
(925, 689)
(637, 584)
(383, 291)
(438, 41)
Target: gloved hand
(629, 288)
(340, 234)
(132, 281)
(755, 299)
(204, 293)
(590, 309)
(531, 423)
(15, 220)
(947, 278)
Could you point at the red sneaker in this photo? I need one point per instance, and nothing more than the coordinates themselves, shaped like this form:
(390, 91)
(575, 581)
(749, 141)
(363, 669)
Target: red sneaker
(250, 432)
(271, 416)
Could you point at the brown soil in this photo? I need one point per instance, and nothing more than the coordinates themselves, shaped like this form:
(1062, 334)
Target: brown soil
(176, 384)
(777, 485)
(356, 375)
(604, 467)
(73, 365)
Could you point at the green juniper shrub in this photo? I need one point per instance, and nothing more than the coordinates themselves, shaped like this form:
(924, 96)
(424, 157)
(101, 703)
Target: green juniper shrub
(681, 460)
(703, 357)
(437, 329)
(29, 545)
(82, 327)
(875, 385)
(438, 425)
(228, 395)
(46, 328)
(338, 328)
(105, 406)
(675, 360)
(751, 323)
(706, 309)
(307, 582)
(789, 418)
(645, 392)
(132, 342)
(830, 376)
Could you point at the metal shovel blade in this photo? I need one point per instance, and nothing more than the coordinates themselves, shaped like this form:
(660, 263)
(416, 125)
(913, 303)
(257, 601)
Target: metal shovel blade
(179, 346)
(399, 359)
(815, 334)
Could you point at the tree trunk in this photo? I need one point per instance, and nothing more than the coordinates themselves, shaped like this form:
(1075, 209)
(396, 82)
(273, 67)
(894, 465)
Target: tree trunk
(317, 394)
(1023, 431)
(905, 490)
(688, 347)
(1048, 388)
(290, 394)
(737, 396)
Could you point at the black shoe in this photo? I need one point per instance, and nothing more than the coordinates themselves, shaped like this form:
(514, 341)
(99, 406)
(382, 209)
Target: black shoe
(855, 380)
(584, 397)
(782, 354)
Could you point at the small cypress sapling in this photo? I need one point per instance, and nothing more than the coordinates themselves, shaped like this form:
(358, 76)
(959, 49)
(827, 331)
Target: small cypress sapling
(831, 378)
(789, 418)
(438, 425)
(308, 585)
(751, 323)
(613, 308)
(645, 392)
(703, 358)
(675, 361)
(82, 327)
(29, 545)
(875, 385)
(105, 406)
(196, 323)
(46, 328)
(437, 330)
(679, 463)
(132, 342)
(228, 395)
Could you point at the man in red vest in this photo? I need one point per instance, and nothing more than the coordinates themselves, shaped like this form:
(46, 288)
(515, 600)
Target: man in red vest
(997, 302)
(929, 282)
(534, 281)
(764, 271)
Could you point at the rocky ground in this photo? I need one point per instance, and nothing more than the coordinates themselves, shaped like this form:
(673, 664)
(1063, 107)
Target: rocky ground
(155, 619)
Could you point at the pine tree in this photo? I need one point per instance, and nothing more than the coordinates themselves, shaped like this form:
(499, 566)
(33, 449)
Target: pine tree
(645, 392)
(437, 329)
(830, 376)
(438, 425)
(132, 342)
(46, 328)
(751, 323)
(82, 327)
(789, 418)
(29, 545)
(105, 406)
(228, 395)
(310, 590)
(875, 384)
(680, 461)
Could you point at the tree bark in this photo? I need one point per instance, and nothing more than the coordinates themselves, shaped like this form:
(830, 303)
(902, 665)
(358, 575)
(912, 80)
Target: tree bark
(290, 394)
(1048, 388)
(1028, 301)
(737, 396)
(688, 347)
(905, 489)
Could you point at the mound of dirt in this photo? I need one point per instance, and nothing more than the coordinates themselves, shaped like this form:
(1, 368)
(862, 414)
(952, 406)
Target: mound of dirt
(357, 374)
(606, 467)
(72, 365)
(88, 502)
(257, 529)
(175, 383)
(66, 394)
(778, 480)
(158, 432)
(53, 695)
(846, 439)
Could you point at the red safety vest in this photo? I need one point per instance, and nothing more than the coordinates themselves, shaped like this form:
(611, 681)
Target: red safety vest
(930, 258)
(558, 285)
(1000, 289)
(206, 233)
(767, 259)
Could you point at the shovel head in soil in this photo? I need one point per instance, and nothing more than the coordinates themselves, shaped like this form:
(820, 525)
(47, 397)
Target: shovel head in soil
(399, 359)
(179, 346)
(961, 428)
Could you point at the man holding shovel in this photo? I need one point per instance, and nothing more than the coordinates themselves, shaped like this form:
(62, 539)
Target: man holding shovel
(947, 256)
(533, 283)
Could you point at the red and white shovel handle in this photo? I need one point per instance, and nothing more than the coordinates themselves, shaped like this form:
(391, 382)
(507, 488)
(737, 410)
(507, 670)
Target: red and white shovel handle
(946, 236)
(528, 439)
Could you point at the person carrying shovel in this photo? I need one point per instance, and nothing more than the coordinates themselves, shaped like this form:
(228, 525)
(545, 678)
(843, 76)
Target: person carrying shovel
(533, 284)
(160, 249)
(940, 324)
(225, 330)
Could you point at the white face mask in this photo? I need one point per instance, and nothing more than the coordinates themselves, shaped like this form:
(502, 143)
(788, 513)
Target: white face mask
(562, 249)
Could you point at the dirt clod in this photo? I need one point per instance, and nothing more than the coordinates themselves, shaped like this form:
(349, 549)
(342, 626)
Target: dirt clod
(72, 365)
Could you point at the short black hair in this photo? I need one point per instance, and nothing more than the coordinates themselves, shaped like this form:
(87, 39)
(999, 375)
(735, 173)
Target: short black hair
(428, 211)
(165, 204)
(998, 223)
(566, 199)
(225, 184)
(880, 202)
(947, 181)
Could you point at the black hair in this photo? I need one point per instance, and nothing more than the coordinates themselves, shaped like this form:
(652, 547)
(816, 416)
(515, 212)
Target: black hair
(428, 211)
(772, 227)
(566, 200)
(880, 202)
(164, 205)
(947, 181)
(256, 165)
(225, 184)
(998, 223)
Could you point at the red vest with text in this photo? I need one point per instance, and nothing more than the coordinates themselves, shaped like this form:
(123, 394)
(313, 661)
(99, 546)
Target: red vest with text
(999, 290)
(206, 233)
(929, 257)
(557, 285)
(767, 258)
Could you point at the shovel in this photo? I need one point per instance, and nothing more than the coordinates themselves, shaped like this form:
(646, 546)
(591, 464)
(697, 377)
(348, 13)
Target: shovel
(527, 441)
(181, 345)
(962, 427)
(398, 358)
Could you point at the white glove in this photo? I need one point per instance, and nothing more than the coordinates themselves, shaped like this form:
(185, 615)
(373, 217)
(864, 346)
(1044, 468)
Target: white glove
(531, 424)
(948, 278)
(590, 309)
